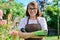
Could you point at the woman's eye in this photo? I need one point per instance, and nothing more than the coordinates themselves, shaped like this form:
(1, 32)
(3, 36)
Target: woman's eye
(32, 8)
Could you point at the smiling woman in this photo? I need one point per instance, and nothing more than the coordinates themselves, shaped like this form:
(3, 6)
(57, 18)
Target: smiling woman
(33, 26)
(33, 10)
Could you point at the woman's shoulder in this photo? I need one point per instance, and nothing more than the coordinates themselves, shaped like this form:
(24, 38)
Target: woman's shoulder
(41, 18)
(24, 19)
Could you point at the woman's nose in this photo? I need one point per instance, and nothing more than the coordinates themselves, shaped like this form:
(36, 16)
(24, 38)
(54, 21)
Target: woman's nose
(31, 10)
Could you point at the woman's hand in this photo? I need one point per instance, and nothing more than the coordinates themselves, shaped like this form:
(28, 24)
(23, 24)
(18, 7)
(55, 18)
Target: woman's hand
(25, 35)
(20, 34)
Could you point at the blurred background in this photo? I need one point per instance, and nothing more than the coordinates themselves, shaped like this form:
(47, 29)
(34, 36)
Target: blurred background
(14, 10)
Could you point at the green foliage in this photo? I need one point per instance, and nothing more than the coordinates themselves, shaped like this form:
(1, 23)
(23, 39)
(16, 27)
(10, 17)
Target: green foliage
(11, 8)
(14, 8)
(52, 12)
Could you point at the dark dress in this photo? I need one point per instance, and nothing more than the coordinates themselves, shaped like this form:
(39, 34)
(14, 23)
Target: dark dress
(32, 28)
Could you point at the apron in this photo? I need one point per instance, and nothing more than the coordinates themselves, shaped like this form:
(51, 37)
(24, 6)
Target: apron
(32, 28)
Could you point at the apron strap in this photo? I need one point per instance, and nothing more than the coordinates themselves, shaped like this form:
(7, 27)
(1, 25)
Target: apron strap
(27, 20)
(39, 24)
(36, 18)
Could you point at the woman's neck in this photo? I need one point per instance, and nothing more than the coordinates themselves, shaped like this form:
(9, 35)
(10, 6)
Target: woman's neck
(33, 18)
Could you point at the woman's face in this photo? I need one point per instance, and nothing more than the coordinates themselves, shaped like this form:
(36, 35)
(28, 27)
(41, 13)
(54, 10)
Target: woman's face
(32, 10)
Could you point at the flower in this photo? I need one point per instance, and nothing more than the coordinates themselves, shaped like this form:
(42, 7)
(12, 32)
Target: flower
(3, 23)
(2, 36)
(13, 33)
(1, 13)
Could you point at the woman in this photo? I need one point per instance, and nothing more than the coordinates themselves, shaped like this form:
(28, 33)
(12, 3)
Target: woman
(30, 25)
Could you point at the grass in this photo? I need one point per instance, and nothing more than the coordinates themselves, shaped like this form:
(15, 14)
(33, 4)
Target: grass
(52, 38)
(47, 38)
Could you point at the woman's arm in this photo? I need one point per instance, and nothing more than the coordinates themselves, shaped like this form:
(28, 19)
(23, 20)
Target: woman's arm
(32, 34)
(25, 35)
(29, 35)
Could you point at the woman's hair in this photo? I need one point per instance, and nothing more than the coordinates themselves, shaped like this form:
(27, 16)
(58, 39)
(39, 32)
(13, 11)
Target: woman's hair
(38, 10)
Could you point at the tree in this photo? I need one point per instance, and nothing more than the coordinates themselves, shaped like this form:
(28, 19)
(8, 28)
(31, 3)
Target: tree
(51, 14)
(16, 9)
